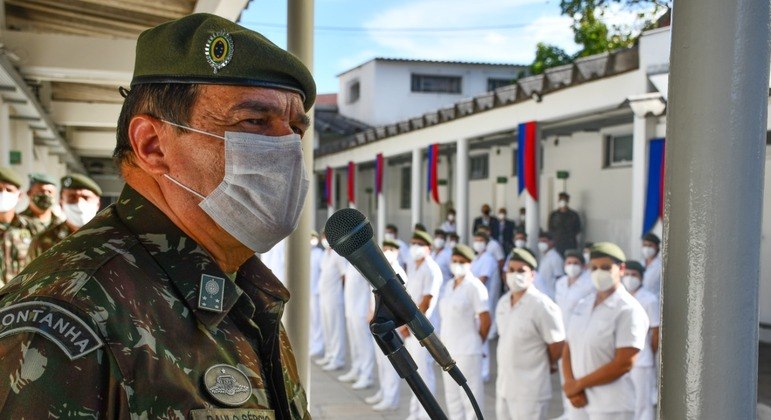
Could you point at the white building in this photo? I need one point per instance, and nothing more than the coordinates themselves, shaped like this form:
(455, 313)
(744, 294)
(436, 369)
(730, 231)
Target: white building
(596, 119)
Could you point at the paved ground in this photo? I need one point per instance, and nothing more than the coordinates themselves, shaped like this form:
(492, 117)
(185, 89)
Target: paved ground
(331, 399)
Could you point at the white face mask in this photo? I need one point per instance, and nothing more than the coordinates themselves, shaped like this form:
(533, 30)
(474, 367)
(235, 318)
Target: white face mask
(8, 201)
(450, 217)
(586, 256)
(520, 243)
(479, 246)
(325, 243)
(563, 203)
(80, 213)
(438, 243)
(543, 247)
(314, 242)
(391, 255)
(631, 283)
(573, 270)
(501, 216)
(418, 252)
(451, 244)
(261, 196)
(388, 236)
(517, 281)
(459, 270)
(602, 280)
(648, 252)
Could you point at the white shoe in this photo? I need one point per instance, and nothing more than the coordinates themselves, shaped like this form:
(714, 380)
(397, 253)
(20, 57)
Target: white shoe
(374, 399)
(321, 362)
(351, 376)
(362, 384)
(385, 406)
(331, 366)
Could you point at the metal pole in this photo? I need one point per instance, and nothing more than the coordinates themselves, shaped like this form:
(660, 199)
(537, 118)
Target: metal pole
(416, 198)
(300, 43)
(715, 154)
(461, 194)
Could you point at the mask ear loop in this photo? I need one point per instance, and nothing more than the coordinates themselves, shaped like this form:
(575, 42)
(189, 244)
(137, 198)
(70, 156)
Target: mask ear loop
(169, 177)
(192, 129)
(184, 187)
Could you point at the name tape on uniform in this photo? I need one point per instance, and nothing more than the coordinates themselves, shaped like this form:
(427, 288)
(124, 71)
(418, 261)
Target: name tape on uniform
(232, 414)
(62, 327)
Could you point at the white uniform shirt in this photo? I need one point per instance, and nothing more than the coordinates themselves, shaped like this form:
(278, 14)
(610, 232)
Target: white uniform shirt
(652, 276)
(317, 254)
(333, 268)
(550, 268)
(650, 304)
(594, 334)
(424, 280)
(459, 308)
(444, 258)
(567, 296)
(275, 260)
(485, 266)
(356, 293)
(526, 329)
(448, 226)
(496, 250)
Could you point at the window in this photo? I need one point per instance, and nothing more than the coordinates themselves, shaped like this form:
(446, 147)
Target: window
(479, 166)
(618, 150)
(438, 84)
(493, 84)
(354, 91)
(406, 198)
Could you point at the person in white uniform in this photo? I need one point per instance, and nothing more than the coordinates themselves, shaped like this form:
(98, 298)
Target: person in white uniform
(485, 267)
(644, 370)
(466, 317)
(317, 331)
(575, 285)
(530, 343)
(650, 250)
(442, 253)
(494, 247)
(606, 331)
(550, 266)
(424, 280)
(392, 234)
(333, 268)
(387, 397)
(449, 224)
(356, 294)
(275, 260)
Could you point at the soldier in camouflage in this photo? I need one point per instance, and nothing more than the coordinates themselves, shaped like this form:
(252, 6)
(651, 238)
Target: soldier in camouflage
(42, 197)
(14, 228)
(158, 307)
(80, 201)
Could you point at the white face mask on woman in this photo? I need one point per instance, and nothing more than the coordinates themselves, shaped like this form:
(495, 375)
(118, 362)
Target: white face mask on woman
(631, 283)
(479, 246)
(602, 280)
(418, 252)
(517, 281)
(573, 270)
(459, 269)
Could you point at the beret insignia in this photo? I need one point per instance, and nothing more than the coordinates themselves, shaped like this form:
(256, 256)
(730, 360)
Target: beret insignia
(219, 50)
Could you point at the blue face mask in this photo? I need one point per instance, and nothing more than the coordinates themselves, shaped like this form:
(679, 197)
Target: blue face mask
(262, 194)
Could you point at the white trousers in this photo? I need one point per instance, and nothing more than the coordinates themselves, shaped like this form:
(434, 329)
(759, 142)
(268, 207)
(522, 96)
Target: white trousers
(362, 350)
(621, 415)
(387, 377)
(644, 380)
(506, 409)
(458, 405)
(425, 370)
(485, 360)
(317, 329)
(333, 321)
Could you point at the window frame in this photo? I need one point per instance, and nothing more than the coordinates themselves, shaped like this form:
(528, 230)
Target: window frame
(418, 80)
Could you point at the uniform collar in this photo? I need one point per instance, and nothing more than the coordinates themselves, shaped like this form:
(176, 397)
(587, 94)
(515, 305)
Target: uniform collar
(185, 262)
(17, 222)
(613, 300)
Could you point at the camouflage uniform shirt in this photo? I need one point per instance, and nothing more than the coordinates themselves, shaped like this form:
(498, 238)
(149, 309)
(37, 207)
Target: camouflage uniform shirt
(36, 225)
(111, 323)
(49, 237)
(17, 238)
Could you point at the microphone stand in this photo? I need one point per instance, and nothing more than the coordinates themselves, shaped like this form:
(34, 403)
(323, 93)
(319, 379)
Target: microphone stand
(383, 327)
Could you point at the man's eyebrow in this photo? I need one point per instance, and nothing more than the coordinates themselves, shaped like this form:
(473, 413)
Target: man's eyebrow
(259, 106)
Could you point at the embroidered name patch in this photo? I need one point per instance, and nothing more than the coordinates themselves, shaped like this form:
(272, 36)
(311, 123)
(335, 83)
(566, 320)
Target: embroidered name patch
(232, 414)
(59, 325)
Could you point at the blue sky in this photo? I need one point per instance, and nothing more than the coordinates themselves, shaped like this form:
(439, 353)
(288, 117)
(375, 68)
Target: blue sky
(351, 32)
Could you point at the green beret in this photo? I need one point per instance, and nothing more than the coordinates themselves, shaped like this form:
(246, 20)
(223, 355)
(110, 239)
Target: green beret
(524, 255)
(208, 49)
(464, 251)
(651, 237)
(576, 254)
(41, 178)
(78, 182)
(423, 236)
(482, 234)
(10, 176)
(636, 266)
(607, 249)
(391, 243)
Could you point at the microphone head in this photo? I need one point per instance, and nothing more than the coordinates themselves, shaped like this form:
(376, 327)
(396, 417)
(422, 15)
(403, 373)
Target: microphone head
(348, 230)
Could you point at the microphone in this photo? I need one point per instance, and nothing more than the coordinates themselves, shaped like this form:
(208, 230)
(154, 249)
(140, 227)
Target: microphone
(350, 235)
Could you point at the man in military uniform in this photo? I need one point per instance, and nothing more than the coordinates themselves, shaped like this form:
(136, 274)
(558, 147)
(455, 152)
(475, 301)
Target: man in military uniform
(80, 201)
(158, 307)
(15, 229)
(42, 197)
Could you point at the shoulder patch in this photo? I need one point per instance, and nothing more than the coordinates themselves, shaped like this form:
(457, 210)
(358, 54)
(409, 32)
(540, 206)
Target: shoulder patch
(62, 327)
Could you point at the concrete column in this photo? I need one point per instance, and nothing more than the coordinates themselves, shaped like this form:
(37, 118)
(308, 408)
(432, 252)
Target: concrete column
(461, 190)
(416, 200)
(643, 130)
(382, 206)
(5, 134)
(714, 193)
(300, 43)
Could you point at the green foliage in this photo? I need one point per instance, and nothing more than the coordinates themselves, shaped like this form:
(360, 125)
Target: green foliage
(575, 8)
(547, 56)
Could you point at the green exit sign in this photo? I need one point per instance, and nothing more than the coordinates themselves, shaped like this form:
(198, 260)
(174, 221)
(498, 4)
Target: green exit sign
(15, 157)
(563, 174)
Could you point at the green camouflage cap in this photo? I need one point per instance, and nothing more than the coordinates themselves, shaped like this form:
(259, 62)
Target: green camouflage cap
(636, 266)
(390, 242)
(10, 176)
(41, 178)
(607, 249)
(78, 181)
(423, 236)
(464, 251)
(208, 49)
(524, 255)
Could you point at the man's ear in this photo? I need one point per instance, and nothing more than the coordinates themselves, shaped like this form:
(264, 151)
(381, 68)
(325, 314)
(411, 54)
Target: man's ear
(144, 134)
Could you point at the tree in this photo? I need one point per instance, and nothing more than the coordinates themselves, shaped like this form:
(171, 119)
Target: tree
(547, 56)
(575, 8)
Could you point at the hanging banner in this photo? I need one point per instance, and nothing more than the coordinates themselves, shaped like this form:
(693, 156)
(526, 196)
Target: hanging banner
(432, 188)
(328, 186)
(527, 165)
(351, 182)
(654, 194)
